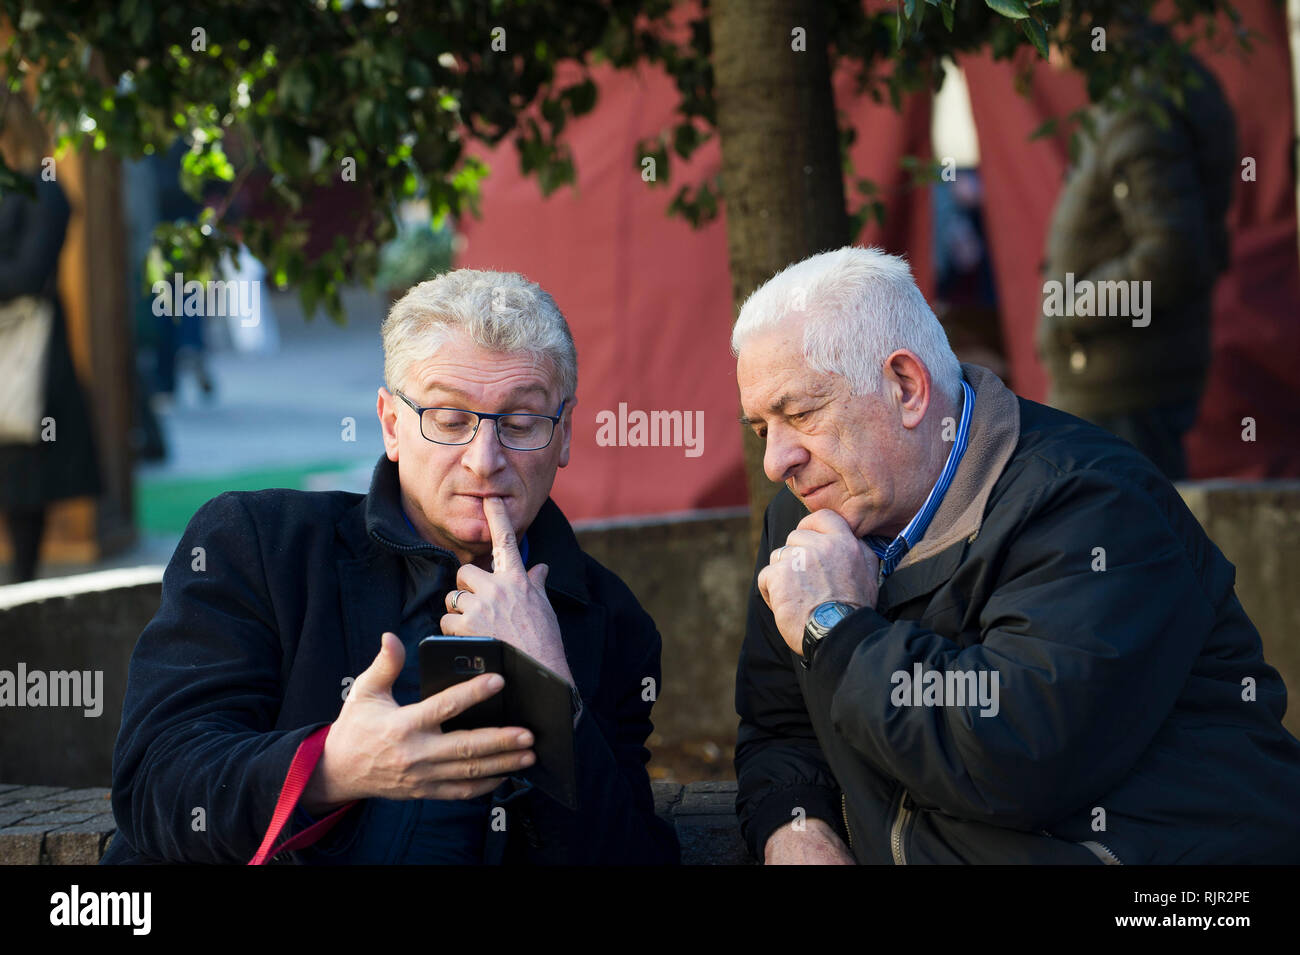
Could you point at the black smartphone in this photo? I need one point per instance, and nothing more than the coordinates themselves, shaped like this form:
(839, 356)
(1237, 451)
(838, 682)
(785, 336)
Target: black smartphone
(446, 661)
(534, 697)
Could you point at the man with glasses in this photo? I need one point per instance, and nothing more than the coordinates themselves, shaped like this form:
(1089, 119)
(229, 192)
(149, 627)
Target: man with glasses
(233, 703)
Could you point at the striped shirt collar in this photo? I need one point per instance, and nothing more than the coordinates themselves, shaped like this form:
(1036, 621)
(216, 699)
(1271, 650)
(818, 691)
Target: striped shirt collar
(891, 552)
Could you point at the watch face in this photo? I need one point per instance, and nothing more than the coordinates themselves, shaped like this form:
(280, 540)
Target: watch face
(828, 615)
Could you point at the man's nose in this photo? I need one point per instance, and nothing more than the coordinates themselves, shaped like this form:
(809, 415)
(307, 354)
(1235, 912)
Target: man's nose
(484, 454)
(782, 454)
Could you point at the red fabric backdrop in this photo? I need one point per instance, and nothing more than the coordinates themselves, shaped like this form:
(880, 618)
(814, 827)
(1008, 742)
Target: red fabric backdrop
(649, 299)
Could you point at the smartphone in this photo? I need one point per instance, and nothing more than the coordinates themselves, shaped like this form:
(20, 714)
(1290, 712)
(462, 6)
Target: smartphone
(534, 697)
(446, 661)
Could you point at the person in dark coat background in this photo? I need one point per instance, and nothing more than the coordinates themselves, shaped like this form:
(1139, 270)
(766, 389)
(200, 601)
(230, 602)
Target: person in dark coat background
(1144, 204)
(31, 236)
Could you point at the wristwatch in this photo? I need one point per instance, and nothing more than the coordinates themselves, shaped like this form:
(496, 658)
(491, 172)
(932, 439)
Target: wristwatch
(823, 617)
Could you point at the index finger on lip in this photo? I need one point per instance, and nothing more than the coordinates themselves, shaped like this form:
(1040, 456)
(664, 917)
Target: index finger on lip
(505, 546)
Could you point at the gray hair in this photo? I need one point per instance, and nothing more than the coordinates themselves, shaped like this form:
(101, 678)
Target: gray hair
(862, 305)
(500, 311)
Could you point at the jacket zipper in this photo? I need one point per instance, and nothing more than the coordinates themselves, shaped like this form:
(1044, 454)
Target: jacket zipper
(409, 548)
(896, 833)
(844, 810)
(1100, 850)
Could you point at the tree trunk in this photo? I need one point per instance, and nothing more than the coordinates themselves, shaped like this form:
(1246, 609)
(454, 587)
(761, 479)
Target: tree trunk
(782, 181)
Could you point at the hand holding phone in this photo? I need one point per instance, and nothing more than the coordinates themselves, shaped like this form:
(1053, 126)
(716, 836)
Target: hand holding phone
(377, 748)
(534, 697)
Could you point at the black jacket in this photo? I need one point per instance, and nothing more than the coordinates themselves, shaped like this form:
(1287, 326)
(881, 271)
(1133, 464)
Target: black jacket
(1143, 202)
(249, 652)
(1123, 676)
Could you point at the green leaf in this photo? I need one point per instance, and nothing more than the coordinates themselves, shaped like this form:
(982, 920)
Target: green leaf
(1047, 128)
(1034, 30)
(553, 113)
(1013, 9)
(685, 138)
(582, 97)
(295, 89)
(309, 296)
(363, 114)
(946, 12)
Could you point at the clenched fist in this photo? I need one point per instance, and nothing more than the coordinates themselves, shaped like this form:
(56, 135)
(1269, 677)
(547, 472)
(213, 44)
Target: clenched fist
(821, 561)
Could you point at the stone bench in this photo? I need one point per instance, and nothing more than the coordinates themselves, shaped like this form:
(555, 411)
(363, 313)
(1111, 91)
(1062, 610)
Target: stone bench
(56, 825)
(53, 825)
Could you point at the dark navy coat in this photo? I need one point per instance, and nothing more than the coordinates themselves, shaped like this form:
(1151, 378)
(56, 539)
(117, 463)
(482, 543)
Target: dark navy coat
(249, 652)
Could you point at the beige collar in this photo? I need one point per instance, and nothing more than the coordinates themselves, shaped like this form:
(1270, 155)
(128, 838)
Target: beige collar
(994, 433)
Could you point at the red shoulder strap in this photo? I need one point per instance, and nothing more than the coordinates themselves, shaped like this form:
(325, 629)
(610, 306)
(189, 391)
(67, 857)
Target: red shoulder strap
(295, 781)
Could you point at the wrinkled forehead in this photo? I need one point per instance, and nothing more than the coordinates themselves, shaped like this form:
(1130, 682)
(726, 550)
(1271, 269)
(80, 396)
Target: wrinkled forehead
(777, 345)
(463, 367)
(772, 372)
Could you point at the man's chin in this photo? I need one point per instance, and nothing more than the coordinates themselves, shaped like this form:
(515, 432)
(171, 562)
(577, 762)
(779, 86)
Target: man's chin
(471, 532)
(862, 525)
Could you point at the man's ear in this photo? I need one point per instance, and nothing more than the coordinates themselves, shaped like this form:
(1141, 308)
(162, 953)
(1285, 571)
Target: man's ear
(565, 431)
(909, 379)
(386, 408)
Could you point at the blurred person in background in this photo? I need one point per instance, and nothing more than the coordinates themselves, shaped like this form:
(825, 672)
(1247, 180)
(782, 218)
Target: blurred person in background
(181, 344)
(62, 462)
(1144, 202)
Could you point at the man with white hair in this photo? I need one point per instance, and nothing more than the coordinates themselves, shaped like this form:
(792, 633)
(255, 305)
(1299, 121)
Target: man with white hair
(257, 703)
(980, 630)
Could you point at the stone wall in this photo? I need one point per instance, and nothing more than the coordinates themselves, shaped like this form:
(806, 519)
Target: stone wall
(1257, 526)
(692, 576)
(88, 622)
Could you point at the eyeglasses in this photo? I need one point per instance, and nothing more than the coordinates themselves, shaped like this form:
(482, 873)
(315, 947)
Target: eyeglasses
(518, 432)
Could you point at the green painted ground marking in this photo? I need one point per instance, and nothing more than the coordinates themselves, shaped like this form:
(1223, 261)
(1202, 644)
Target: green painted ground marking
(164, 505)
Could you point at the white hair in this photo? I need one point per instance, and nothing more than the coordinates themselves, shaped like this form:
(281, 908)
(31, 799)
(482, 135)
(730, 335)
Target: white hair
(862, 305)
(499, 311)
